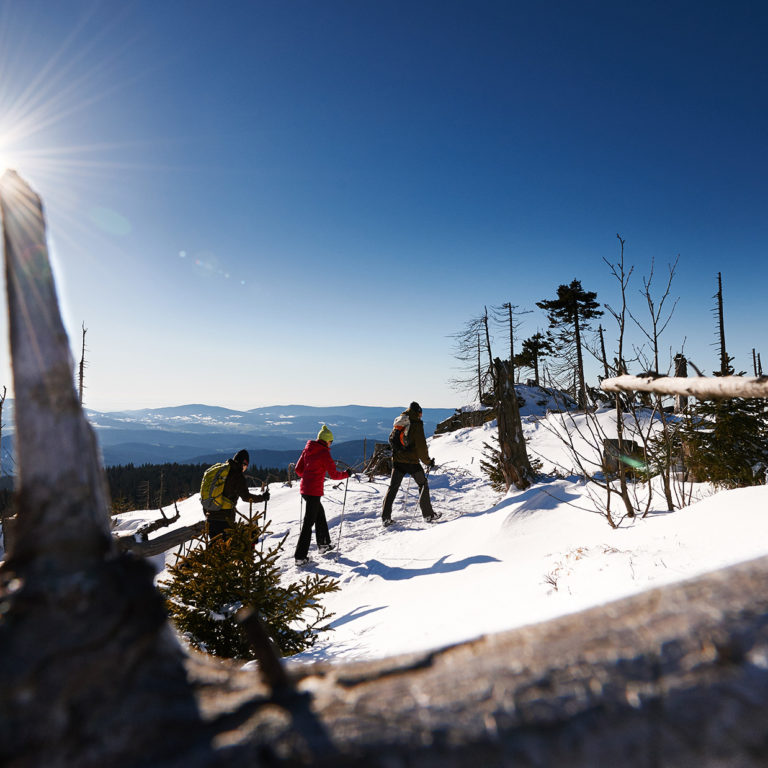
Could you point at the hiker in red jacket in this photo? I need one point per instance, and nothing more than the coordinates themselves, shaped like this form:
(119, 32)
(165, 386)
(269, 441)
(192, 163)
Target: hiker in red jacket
(314, 462)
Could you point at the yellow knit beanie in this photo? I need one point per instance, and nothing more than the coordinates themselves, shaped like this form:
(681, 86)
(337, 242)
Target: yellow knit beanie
(325, 434)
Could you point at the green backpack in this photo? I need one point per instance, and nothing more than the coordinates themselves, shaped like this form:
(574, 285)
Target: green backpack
(212, 488)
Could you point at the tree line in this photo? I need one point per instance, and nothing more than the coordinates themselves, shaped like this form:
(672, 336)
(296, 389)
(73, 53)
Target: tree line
(150, 486)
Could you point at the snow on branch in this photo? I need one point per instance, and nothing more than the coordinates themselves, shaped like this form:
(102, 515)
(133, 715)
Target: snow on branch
(701, 387)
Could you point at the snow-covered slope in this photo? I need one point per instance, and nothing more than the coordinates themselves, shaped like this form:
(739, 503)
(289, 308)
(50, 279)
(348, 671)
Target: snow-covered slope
(494, 562)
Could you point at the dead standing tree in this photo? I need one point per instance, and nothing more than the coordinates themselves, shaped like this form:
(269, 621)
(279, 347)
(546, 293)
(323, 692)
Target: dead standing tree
(91, 675)
(67, 595)
(2, 402)
(81, 369)
(515, 466)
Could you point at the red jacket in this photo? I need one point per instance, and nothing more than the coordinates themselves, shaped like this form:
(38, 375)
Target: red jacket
(314, 462)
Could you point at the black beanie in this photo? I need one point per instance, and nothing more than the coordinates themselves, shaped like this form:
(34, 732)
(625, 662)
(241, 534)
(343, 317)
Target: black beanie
(415, 407)
(241, 456)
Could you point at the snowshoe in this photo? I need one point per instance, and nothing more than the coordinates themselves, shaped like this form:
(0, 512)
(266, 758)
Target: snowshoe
(302, 561)
(433, 518)
(387, 521)
(324, 548)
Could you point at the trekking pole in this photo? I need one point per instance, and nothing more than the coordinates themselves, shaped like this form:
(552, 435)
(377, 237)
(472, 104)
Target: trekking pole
(426, 481)
(264, 486)
(341, 521)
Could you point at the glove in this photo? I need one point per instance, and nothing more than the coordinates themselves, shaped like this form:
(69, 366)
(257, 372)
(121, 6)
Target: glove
(265, 495)
(432, 463)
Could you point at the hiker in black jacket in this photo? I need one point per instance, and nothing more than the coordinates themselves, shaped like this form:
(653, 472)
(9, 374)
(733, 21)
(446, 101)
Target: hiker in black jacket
(405, 461)
(235, 487)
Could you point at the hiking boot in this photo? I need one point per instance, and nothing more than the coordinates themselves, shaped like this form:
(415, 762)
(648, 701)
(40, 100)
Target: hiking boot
(301, 561)
(323, 548)
(432, 518)
(387, 521)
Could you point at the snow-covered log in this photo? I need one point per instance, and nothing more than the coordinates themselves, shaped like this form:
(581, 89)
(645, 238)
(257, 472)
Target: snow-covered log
(160, 544)
(701, 387)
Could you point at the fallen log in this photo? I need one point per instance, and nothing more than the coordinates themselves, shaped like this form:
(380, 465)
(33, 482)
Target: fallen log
(701, 387)
(158, 545)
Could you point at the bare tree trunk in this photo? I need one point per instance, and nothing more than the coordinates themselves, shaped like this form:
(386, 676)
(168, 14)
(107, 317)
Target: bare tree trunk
(84, 644)
(602, 351)
(700, 387)
(81, 377)
(160, 544)
(724, 367)
(515, 465)
(681, 371)
(2, 401)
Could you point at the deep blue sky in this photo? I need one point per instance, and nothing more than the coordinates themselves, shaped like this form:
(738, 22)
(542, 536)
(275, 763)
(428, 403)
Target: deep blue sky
(254, 203)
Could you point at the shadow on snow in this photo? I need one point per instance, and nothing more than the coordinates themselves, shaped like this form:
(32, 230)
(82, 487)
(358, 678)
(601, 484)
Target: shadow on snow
(395, 573)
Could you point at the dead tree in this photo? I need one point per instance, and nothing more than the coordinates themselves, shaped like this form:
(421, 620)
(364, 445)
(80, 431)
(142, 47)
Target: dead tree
(2, 402)
(139, 543)
(81, 375)
(67, 595)
(701, 387)
(515, 465)
(91, 674)
(725, 361)
(471, 347)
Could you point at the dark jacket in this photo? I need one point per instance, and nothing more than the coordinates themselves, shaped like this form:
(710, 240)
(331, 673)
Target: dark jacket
(417, 443)
(314, 462)
(236, 486)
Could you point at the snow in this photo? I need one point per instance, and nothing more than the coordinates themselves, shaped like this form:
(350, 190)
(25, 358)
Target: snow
(494, 561)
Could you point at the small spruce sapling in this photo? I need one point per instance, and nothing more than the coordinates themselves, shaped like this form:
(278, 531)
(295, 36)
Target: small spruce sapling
(212, 582)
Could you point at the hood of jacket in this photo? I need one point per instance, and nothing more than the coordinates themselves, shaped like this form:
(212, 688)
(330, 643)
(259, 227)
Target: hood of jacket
(314, 447)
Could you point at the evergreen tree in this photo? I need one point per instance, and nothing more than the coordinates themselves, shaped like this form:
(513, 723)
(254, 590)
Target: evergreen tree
(491, 464)
(534, 348)
(210, 584)
(727, 441)
(569, 315)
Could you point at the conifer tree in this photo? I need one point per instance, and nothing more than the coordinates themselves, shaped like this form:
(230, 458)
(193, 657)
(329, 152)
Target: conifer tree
(569, 314)
(727, 439)
(211, 583)
(534, 349)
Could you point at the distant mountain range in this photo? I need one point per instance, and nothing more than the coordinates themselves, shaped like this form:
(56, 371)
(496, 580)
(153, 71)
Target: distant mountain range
(274, 435)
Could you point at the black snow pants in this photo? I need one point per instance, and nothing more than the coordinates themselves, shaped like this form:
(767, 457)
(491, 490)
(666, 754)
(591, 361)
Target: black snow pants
(399, 471)
(314, 515)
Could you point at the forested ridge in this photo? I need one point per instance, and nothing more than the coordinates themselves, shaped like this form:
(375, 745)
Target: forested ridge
(148, 486)
(157, 485)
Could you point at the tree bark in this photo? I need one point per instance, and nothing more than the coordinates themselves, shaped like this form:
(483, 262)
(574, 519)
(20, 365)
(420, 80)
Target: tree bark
(160, 544)
(84, 643)
(515, 465)
(701, 387)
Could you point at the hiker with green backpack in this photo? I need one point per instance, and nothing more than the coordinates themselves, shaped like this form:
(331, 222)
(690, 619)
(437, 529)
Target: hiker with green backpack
(223, 484)
(409, 446)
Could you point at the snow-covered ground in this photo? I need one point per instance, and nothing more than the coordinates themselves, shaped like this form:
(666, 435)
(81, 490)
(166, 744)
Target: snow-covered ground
(494, 561)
